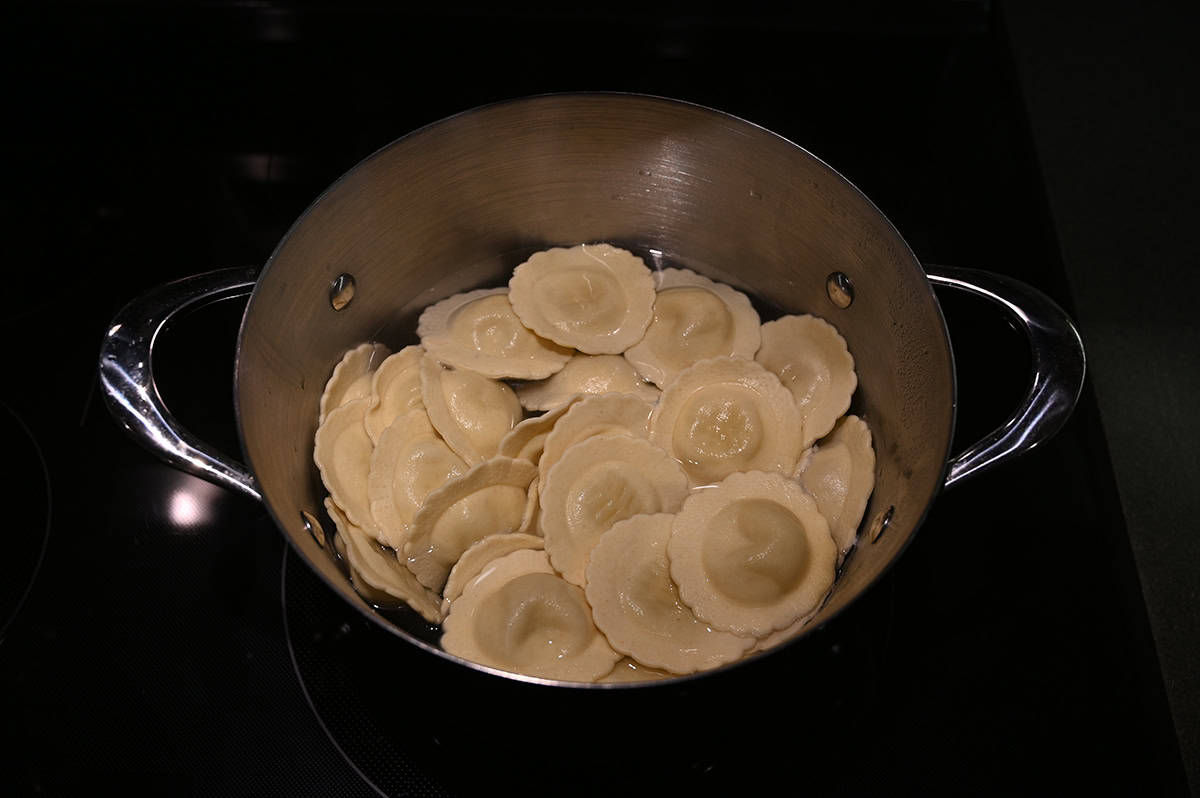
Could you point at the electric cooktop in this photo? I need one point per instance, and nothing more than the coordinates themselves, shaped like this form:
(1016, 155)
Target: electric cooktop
(160, 637)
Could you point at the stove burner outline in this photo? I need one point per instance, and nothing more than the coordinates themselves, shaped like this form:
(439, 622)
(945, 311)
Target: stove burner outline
(346, 755)
(10, 615)
(365, 740)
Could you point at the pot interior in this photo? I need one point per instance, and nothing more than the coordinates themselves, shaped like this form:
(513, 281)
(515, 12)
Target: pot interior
(458, 204)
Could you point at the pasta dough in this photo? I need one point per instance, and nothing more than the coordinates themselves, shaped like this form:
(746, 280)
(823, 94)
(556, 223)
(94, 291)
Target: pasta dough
(694, 319)
(519, 615)
(840, 475)
(753, 554)
(479, 331)
(471, 412)
(351, 378)
(725, 415)
(596, 298)
(810, 357)
(409, 461)
(381, 570)
(489, 499)
(395, 390)
(478, 555)
(563, 516)
(342, 452)
(637, 606)
(605, 414)
(586, 375)
(597, 482)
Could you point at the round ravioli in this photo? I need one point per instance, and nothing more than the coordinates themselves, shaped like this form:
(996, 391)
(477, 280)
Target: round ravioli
(471, 412)
(810, 357)
(752, 555)
(629, 670)
(487, 500)
(596, 483)
(596, 298)
(520, 616)
(586, 375)
(725, 415)
(409, 462)
(351, 378)
(479, 554)
(478, 330)
(636, 605)
(694, 319)
(604, 414)
(380, 569)
(527, 440)
(396, 390)
(342, 452)
(783, 635)
(533, 508)
(840, 474)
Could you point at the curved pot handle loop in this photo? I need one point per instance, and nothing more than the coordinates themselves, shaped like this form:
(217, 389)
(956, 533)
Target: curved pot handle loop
(1058, 368)
(127, 375)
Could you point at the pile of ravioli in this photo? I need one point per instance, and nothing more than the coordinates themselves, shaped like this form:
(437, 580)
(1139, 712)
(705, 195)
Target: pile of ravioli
(599, 472)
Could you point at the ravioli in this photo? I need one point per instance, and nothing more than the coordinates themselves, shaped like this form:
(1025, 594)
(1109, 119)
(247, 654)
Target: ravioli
(783, 635)
(409, 462)
(810, 357)
(342, 452)
(489, 499)
(752, 555)
(520, 616)
(533, 509)
(596, 483)
(726, 415)
(628, 670)
(478, 330)
(680, 496)
(528, 438)
(694, 319)
(586, 375)
(351, 378)
(840, 475)
(596, 298)
(471, 412)
(380, 569)
(396, 389)
(637, 607)
(479, 554)
(604, 414)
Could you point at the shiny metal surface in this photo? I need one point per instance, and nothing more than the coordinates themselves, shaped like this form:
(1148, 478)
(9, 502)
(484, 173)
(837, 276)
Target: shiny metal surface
(1056, 378)
(457, 205)
(341, 291)
(840, 290)
(127, 375)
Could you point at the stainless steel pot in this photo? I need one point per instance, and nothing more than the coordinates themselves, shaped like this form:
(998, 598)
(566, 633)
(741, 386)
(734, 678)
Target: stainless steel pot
(456, 205)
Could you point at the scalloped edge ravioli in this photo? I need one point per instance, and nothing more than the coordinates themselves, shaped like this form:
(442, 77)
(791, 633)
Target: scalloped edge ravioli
(596, 298)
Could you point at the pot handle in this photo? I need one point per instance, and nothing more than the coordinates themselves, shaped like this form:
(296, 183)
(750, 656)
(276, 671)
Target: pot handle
(127, 375)
(1056, 379)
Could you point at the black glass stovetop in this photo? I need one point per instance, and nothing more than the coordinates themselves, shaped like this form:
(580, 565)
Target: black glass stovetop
(159, 637)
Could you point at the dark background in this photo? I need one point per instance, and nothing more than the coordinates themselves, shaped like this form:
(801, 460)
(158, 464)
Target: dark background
(1040, 634)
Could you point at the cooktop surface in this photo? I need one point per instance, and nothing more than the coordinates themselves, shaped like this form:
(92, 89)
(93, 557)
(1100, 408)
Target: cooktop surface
(159, 634)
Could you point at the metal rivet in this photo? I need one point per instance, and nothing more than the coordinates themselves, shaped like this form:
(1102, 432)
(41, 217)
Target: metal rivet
(341, 291)
(313, 526)
(881, 523)
(840, 289)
